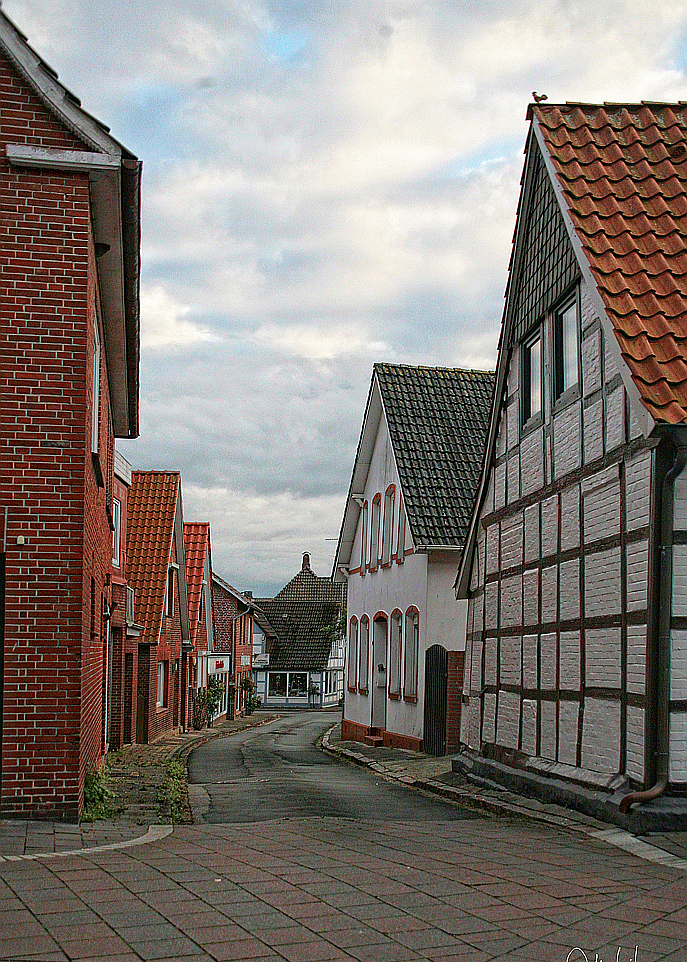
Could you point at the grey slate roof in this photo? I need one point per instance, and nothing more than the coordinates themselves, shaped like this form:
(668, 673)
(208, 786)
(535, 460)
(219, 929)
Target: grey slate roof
(300, 615)
(437, 419)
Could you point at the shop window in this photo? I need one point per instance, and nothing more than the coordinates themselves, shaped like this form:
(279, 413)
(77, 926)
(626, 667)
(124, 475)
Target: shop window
(277, 684)
(298, 684)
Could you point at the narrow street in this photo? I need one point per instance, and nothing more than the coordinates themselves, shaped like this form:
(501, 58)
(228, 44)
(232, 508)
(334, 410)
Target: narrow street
(296, 856)
(278, 772)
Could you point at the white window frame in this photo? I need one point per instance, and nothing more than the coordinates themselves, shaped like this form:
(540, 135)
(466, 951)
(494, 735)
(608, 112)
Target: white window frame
(353, 654)
(388, 528)
(161, 684)
(412, 651)
(364, 656)
(117, 531)
(169, 594)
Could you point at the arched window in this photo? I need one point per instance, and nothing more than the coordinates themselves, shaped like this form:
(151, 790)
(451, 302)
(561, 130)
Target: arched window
(374, 532)
(352, 654)
(363, 539)
(364, 671)
(412, 647)
(388, 532)
(401, 540)
(395, 643)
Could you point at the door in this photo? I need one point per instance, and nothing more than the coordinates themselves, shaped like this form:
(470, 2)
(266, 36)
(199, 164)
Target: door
(436, 675)
(143, 695)
(379, 659)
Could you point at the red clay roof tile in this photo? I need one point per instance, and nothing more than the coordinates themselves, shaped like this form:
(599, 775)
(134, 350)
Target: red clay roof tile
(625, 184)
(151, 508)
(196, 541)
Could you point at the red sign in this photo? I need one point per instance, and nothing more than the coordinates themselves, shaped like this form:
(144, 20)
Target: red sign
(219, 664)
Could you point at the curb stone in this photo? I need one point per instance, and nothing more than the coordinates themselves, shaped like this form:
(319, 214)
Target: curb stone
(612, 836)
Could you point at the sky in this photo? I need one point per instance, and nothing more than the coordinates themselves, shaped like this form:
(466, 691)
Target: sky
(326, 184)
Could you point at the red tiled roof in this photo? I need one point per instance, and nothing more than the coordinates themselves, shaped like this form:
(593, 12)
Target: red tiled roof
(196, 540)
(151, 509)
(623, 170)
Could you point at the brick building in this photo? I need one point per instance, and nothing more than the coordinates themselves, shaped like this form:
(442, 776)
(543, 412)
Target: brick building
(156, 570)
(232, 657)
(198, 580)
(69, 350)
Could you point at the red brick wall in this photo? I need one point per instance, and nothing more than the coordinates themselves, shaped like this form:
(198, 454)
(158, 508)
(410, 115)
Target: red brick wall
(224, 608)
(167, 718)
(52, 723)
(243, 633)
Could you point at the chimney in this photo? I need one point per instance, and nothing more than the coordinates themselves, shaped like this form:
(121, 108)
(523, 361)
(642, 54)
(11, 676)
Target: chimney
(306, 562)
(248, 594)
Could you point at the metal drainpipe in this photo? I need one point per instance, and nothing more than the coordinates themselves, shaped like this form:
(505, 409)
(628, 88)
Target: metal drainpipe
(663, 653)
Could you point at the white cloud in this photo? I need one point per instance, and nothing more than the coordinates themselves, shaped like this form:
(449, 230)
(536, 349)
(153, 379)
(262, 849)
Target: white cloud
(164, 323)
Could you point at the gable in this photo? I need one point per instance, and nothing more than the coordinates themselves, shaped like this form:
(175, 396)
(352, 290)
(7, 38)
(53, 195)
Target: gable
(620, 171)
(547, 266)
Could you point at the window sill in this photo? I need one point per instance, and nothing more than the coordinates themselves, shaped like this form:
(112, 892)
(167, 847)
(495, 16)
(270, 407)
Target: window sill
(411, 699)
(531, 425)
(98, 470)
(394, 695)
(363, 691)
(566, 399)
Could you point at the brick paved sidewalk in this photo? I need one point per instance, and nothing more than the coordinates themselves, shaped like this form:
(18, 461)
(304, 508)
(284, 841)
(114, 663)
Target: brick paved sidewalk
(136, 775)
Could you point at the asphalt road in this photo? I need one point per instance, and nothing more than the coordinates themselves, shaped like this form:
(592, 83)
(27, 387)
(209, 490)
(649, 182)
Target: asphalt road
(276, 771)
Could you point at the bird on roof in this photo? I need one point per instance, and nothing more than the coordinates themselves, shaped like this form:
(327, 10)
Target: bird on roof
(538, 97)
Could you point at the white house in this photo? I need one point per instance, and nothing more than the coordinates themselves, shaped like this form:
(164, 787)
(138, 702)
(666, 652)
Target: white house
(414, 481)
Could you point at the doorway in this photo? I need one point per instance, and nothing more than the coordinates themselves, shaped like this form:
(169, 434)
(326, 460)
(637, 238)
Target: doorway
(379, 667)
(436, 675)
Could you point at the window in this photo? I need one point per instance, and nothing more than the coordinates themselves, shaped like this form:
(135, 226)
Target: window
(401, 541)
(395, 655)
(161, 684)
(374, 532)
(531, 378)
(117, 533)
(277, 684)
(130, 599)
(201, 608)
(363, 540)
(565, 347)
(388, 533)
(352, 655)
(95, 414)
(298, 684)
(169, 609)
(364, 655)
(412, 646)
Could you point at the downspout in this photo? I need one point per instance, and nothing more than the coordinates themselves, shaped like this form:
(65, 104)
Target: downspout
(665, 607)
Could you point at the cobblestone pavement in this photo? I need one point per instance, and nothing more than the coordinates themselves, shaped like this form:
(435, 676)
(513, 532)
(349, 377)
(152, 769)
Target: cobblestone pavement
(328, 890)
(137, 772)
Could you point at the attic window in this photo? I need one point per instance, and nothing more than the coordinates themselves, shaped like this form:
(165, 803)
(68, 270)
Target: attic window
(566, 347)
(532, 378)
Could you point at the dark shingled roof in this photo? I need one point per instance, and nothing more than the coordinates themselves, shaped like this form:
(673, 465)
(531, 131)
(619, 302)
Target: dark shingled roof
(437, 419)
(300, 615)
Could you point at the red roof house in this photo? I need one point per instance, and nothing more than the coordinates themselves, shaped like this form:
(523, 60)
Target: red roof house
(157, 573)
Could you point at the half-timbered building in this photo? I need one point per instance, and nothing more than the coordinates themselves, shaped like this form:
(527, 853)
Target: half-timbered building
(576, 564)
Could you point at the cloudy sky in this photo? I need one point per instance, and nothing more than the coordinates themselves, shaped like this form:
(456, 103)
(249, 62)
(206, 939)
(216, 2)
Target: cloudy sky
(327, 183)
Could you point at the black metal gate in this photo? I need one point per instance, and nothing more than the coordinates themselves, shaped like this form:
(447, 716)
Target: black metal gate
(436, 675)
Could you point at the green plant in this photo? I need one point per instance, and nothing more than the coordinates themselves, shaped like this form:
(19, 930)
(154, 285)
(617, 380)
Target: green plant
(96, 795)
(171, 797)
(253, 704)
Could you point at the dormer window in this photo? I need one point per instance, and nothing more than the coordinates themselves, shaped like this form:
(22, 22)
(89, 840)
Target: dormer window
(566, 347)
